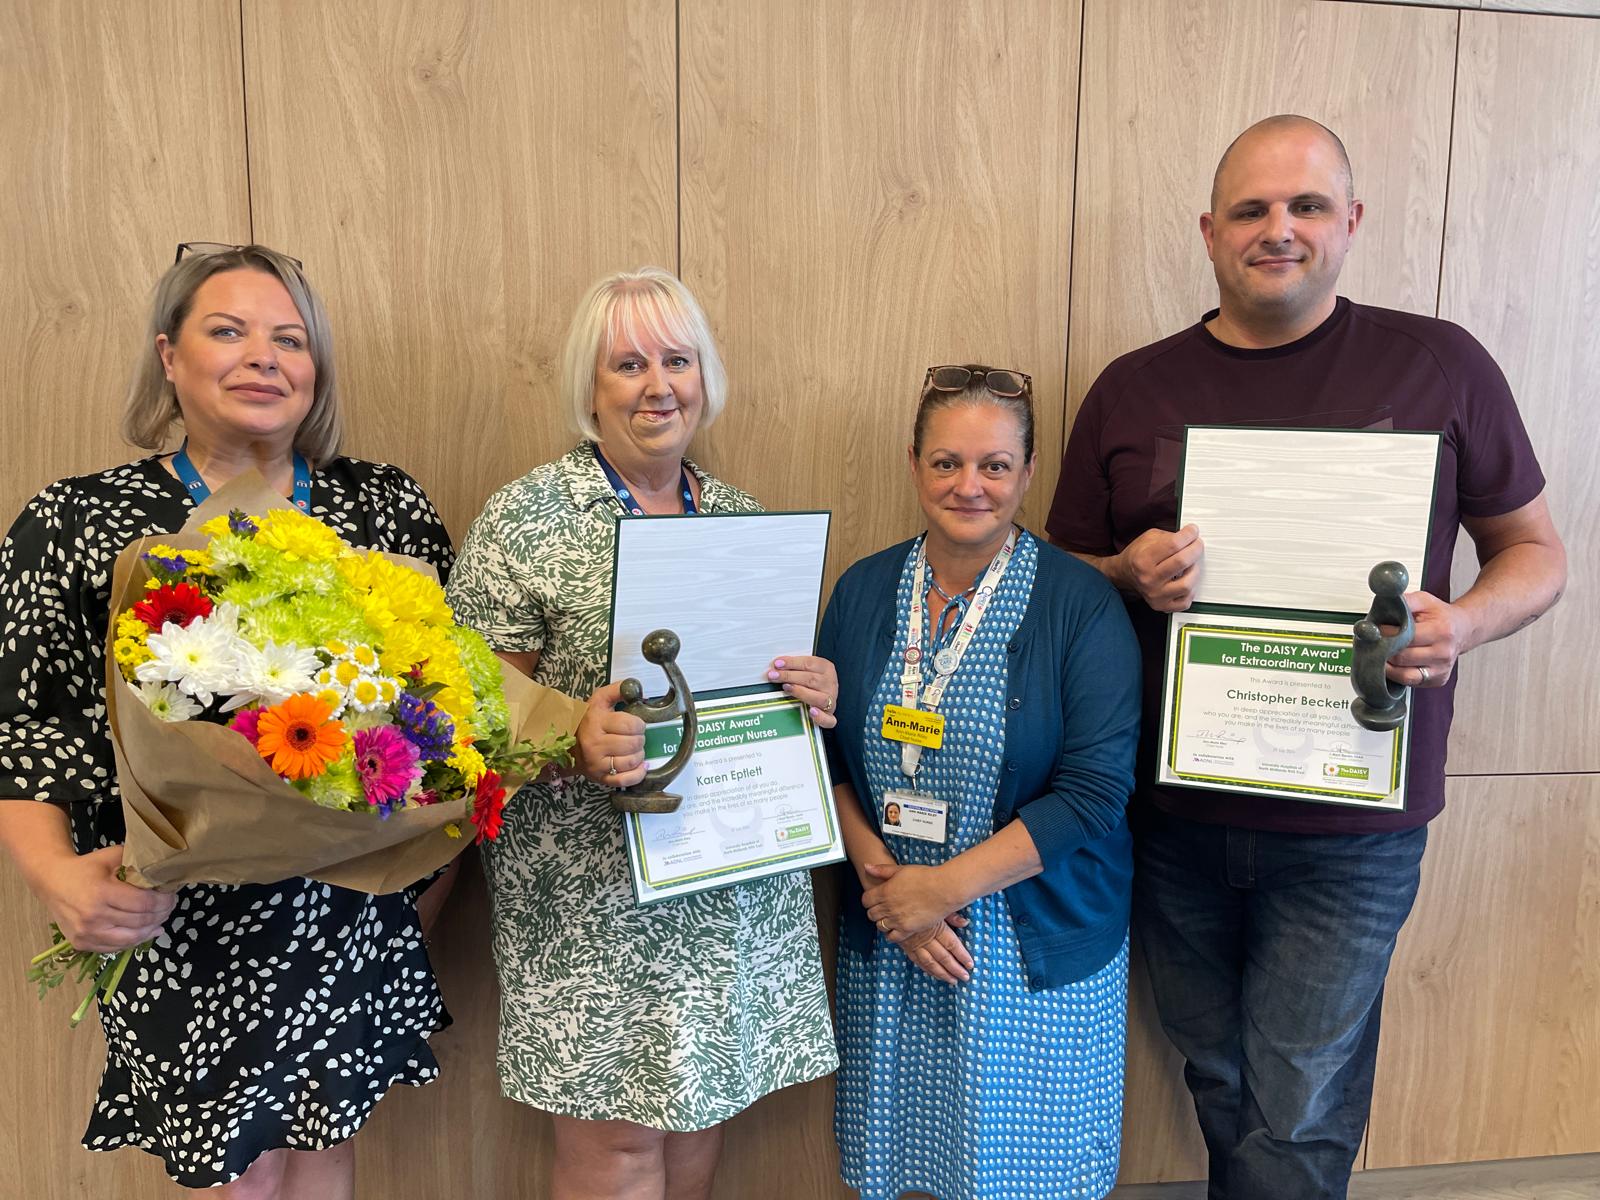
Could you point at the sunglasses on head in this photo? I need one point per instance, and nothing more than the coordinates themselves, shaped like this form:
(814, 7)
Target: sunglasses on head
(204, 248)
(955, 377)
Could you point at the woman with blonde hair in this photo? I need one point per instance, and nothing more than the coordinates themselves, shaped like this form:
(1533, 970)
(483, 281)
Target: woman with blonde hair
(639, 1029)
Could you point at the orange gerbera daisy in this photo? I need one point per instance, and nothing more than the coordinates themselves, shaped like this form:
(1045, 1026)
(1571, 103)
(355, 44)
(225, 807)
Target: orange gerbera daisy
(297, 737)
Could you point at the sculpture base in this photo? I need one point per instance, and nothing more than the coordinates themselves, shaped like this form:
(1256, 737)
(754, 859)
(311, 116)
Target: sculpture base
(645, 802)
(1379, 720)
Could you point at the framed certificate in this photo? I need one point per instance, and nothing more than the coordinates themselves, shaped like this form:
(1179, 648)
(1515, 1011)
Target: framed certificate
(757, 801)
(739, 591)
(1257, 687)
(1262, 705)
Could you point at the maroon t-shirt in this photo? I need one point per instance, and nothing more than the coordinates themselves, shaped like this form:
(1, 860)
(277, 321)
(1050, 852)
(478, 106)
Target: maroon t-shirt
(1362, 368)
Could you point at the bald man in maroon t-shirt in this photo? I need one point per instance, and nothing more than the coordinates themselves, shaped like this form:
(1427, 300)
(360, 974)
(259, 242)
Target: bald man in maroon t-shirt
(1268, 924)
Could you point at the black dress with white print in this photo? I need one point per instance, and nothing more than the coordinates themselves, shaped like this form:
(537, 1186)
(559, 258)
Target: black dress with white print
(264, 1016)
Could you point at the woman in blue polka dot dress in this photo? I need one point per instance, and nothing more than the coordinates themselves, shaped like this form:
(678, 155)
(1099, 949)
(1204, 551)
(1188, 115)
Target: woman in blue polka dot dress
(983, 957)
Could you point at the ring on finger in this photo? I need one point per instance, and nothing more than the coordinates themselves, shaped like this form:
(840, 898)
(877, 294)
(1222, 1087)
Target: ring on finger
(612, 768)
(1423, 671)
(827, 705)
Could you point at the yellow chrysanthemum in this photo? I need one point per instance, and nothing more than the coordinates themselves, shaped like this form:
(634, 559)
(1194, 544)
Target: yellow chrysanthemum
(130, 625)
(394, 593)
(335, 647)
(468, 761)
(332, 697)
(364, 692)
(364, 656)
(388, 691)
(346, 672)
(130, 652)
(216, 527)
(299, 536)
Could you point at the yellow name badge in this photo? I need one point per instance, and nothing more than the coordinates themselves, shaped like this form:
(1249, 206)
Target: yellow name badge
(913, 725)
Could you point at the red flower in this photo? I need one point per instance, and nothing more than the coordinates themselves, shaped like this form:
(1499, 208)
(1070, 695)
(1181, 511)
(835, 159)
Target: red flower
(488, 806)
(178, 603)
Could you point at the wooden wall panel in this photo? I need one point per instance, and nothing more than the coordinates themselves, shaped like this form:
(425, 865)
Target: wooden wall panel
(869, 189)
(1522, 272)
(1491, 1026)
(1167, 84)
(1160, 1136)
(454, 175)
(122, 132)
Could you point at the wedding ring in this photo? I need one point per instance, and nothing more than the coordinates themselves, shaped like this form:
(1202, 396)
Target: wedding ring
(883, 926)
(1424, 671)
(612, 759)
(827, 705)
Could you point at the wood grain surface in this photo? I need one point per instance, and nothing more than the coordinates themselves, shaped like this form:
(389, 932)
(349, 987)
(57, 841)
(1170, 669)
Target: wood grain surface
(454, 175)
(1167, 84)
(868, 190)
(1522, 273)
(1491, 1024)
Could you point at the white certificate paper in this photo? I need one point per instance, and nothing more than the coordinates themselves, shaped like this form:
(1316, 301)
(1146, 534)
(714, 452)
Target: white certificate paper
(738, 589)
(1263, 705)
(757, 801)
(1297, 518)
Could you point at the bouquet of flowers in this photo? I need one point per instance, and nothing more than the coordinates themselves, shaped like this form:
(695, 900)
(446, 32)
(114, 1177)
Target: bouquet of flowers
(282, 703)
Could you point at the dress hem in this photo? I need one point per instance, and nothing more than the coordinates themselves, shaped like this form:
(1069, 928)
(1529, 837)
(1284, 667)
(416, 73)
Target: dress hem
(564, 1108)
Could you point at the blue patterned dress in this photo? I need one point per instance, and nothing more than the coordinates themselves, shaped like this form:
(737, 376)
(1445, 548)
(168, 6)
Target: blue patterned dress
(983, 1090)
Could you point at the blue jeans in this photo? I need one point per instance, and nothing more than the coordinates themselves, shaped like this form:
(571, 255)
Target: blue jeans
(1267, 953)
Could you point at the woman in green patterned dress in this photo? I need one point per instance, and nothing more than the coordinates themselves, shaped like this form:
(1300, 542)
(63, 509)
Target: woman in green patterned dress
(640, 1030)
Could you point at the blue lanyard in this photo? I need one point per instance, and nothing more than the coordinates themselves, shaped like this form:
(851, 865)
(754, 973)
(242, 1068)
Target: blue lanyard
(629, 504)
(198, 490)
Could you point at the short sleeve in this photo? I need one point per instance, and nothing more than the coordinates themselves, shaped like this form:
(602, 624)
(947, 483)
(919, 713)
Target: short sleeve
(51, 663)
(1080, 514)
(487, 590)
(404, 521)
(1497, 471)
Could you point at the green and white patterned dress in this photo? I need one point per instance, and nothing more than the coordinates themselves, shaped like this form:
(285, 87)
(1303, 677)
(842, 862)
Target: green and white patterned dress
(674, 1016)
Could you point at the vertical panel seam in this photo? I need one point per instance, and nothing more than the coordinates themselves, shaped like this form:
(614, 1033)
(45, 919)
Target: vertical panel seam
(677, 124)
(244, 113)
(1072, 238)
(1449, 166)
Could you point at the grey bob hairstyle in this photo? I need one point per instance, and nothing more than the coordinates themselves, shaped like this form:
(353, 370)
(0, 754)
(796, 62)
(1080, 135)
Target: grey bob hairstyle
(152, 406)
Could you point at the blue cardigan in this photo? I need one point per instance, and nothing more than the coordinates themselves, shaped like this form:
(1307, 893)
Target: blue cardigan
(1072, 723)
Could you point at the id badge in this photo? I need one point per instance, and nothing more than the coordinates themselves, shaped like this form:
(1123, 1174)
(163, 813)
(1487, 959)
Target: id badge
(914, 815)
(912, 725)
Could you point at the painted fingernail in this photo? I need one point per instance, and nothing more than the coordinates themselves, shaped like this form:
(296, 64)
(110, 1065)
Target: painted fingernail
(772, 675)
(788, 687)
(778, 662)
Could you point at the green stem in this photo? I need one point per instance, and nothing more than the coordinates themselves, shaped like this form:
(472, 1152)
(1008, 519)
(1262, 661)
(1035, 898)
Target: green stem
(123, 960)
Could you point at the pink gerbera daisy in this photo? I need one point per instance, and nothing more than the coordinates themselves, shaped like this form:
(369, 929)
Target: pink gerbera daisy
(245, 721)
(387, 764)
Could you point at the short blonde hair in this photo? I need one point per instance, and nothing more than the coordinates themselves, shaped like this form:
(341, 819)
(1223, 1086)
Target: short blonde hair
(152, 404)
(626, 307)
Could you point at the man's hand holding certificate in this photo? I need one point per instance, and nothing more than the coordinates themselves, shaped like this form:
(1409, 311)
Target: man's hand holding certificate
(1257, 684)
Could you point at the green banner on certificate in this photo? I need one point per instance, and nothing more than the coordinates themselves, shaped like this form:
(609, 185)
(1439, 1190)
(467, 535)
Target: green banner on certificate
(1263, 705)
(757, 801)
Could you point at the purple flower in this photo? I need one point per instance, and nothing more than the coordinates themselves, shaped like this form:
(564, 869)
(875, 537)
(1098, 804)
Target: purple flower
(427, 727)
(241, 524)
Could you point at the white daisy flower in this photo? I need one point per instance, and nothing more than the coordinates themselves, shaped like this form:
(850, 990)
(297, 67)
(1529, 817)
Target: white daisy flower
(167, 702)
(202, 659)
(272, 674)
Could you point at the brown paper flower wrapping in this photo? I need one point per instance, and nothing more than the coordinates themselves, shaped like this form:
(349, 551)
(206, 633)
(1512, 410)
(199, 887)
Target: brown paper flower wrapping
(202, 806)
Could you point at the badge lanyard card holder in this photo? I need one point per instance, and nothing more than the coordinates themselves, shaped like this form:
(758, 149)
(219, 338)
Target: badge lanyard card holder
(1256, 682)
(739, 590)
(916, 722)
